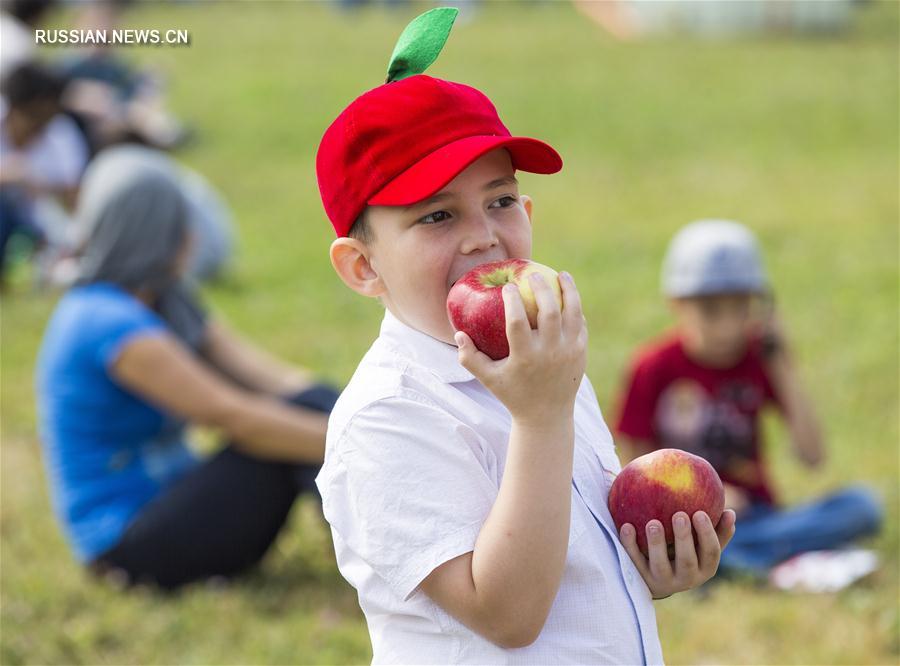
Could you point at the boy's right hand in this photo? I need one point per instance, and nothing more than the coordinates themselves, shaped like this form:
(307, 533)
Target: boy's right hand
(539, 379)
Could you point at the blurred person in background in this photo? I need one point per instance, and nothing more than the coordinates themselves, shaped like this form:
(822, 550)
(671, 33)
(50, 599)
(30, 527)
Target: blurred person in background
(117, 101)
(355, 4)
(209, 218)
(43, 153)
(631, 19)
(18, 19)
(128, 359)
(703, 387)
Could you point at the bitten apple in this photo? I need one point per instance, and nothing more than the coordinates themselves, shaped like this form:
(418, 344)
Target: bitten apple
(475, 301)
(659, 485)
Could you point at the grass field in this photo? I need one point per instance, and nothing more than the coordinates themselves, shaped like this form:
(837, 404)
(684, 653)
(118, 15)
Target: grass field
(798, 138)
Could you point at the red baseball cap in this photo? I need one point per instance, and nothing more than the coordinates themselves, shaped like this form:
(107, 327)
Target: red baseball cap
(403, 141)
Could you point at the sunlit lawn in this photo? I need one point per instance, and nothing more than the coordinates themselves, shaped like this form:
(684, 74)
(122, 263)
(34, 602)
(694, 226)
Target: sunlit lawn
(798, 138)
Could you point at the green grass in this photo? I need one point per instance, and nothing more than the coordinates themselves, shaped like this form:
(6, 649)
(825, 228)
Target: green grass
(798, 138)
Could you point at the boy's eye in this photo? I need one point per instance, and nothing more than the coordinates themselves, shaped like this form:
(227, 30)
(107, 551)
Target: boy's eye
(504, 202)
(433, 218)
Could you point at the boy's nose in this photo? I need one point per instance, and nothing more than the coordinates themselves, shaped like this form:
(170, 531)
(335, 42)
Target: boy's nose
(480, 235)
(729, 332)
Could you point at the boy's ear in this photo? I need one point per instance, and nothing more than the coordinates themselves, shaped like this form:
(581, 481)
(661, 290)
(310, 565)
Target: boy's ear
(528, 204)
(350, 258)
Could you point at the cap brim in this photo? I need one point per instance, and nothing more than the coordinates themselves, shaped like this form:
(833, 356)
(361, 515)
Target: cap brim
(435, 170)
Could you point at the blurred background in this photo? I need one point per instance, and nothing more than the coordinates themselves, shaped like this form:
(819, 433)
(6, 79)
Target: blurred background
(783, 115)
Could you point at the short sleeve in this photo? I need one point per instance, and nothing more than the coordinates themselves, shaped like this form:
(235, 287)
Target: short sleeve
(119, 327)
(410, 488)
(637, 402)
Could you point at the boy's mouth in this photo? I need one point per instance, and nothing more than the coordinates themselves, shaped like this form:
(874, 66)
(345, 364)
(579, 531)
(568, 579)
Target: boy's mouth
(462, 273)
(456, 279)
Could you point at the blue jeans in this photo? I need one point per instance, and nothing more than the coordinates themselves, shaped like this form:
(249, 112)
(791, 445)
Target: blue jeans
(15, 218)
(767, 535)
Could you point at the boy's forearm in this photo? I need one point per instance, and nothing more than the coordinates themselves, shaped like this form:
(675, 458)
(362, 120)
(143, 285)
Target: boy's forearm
(801, 418)
(520, 554)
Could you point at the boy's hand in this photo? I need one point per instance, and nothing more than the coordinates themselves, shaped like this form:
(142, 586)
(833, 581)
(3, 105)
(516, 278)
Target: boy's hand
(692, 566)
(539, 379)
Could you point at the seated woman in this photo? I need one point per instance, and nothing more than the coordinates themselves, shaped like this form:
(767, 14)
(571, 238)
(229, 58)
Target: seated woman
(129, 358)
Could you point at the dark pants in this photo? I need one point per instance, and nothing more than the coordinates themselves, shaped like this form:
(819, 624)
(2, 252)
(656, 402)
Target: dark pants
(218, 520)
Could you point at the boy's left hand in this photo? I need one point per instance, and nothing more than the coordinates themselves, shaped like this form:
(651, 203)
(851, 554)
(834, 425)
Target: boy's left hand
(692, 566)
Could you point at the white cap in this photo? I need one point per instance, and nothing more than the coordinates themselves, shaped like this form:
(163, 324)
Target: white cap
(712, 257)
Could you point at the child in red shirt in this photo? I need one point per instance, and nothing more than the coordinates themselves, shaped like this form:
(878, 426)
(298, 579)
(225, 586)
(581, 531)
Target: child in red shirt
(703, 386)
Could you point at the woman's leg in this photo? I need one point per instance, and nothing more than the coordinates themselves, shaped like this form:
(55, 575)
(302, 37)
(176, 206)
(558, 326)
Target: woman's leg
(218, 520)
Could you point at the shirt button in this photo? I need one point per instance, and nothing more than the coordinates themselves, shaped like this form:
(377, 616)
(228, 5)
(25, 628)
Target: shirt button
(629, 577)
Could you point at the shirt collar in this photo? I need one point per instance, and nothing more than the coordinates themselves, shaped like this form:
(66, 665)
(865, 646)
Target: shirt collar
(437, 357)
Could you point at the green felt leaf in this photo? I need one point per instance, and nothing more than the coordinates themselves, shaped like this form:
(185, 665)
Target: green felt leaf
(421, 42)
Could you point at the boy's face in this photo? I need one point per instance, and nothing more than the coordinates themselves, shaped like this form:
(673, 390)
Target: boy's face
(716, 327)
(419, 251)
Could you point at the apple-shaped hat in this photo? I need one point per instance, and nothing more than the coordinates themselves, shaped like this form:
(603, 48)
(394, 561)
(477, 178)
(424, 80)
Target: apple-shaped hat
(401, 142)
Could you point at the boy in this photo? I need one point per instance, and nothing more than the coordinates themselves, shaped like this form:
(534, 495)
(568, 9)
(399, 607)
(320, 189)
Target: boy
(467, 497)
(703, 387)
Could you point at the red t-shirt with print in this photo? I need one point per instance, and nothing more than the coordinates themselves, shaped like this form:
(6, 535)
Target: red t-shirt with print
(672, 401)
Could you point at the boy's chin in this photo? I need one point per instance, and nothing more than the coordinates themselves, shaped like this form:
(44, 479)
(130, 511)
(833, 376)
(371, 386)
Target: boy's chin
(725, 357)
(441, 332)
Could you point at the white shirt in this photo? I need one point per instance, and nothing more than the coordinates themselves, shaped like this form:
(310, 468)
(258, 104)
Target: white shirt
(57, 157)
(414, 457)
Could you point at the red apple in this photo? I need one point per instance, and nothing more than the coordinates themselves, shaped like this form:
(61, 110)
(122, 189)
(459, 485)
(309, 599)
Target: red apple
(659, 485)
(475, 301)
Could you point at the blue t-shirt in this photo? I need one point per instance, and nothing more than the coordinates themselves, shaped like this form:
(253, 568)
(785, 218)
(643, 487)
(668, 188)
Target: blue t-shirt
(107, 451)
